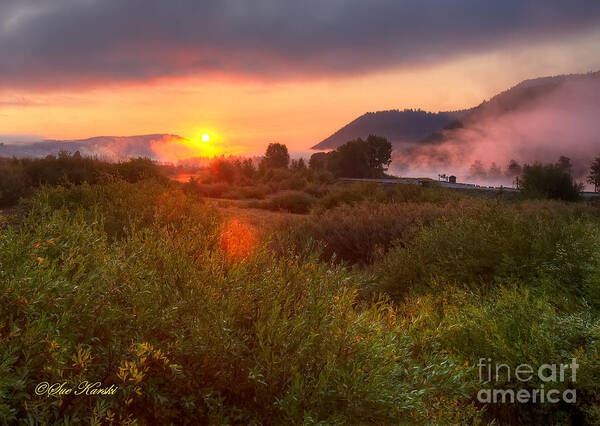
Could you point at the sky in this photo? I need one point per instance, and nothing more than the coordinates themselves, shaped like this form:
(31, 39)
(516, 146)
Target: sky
(253, 72)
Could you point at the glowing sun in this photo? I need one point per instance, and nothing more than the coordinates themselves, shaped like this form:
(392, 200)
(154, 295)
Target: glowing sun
(205, 138)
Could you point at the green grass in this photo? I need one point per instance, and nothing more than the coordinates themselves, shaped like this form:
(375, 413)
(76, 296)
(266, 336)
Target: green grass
(199, 318)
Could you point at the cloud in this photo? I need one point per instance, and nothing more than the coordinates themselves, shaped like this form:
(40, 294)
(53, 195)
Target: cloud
(18, 101)
(81, 42)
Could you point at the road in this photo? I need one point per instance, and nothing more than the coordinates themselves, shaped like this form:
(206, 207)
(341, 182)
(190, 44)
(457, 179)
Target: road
(415, 181)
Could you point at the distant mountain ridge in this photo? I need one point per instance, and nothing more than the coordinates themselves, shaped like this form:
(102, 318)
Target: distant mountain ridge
(407, 127)
(511, 100)
(111, 148)
(400, 127)
(409, 130)
(537, 120)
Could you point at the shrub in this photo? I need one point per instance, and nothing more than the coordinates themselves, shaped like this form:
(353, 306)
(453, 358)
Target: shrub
(138, 169)
(427, 194)
(291, 201)
(361, 233)
(351, 194)
(124, 206)
(197, 320)
(18, 178)
(316, 190)
(276, 175)
(549, 181)
(223, 171)
(247, 192)
(323, 176)
(511, 326)
(14, 182)
(494, 246)
(65, 168)
(294, 182)
(191, 336)
(396, 193)
(211, 190)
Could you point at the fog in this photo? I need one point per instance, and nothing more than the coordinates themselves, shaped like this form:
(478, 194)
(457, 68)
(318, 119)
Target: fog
(563, 121)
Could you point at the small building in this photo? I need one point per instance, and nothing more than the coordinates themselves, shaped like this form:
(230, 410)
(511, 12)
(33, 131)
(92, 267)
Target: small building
(452, 179)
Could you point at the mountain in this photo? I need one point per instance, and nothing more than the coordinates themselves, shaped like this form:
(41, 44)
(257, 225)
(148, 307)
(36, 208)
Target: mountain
(407, 127)
(111, 148)
(519, 97)
(400, 127)
(536, 120)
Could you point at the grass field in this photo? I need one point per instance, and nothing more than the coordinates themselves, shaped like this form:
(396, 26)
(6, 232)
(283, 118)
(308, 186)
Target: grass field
(376, 306)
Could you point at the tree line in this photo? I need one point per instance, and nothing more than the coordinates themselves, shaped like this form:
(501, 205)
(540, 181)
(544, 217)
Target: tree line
(553, 180)
(358, 158)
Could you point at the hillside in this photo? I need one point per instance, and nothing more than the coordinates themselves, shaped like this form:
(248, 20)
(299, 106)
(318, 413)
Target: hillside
(409, 126)
(522, 96)
(400, 127)
(537, 120)
(111, 148)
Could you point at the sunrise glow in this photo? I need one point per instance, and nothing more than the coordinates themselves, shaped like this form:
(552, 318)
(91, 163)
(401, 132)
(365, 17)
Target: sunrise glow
(299, 112)
(301, 211)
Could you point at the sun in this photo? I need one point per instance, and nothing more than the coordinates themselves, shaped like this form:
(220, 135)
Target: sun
(205, 137)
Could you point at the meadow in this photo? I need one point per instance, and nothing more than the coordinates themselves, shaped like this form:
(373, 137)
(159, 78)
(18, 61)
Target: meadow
(284, 297)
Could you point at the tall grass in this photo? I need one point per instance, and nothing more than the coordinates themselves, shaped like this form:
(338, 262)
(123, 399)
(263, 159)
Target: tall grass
(363, 232)
(191, 333)
(355, 193)
(198, 320)
(534, 244)
(510, 325)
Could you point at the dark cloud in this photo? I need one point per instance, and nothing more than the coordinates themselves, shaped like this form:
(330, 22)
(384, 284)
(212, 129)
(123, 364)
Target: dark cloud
(70, 42)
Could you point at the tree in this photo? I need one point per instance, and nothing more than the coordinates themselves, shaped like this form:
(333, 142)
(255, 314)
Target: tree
(248, 168)
(357, 158)
(276, 157)
(351, 160)
(564, 164)
(318, 161)
(379, 154)
(137, 169)
(223, 170)
(477, 170)
(298, 165)
(361, 159)
(549, 181)
(495, 172)
(594, 176)
(513, 169)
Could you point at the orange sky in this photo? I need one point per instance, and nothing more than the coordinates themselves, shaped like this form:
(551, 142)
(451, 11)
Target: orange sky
(244, 115)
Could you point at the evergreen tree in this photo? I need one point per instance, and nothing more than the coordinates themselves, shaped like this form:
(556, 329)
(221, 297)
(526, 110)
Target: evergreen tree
(594, 176)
